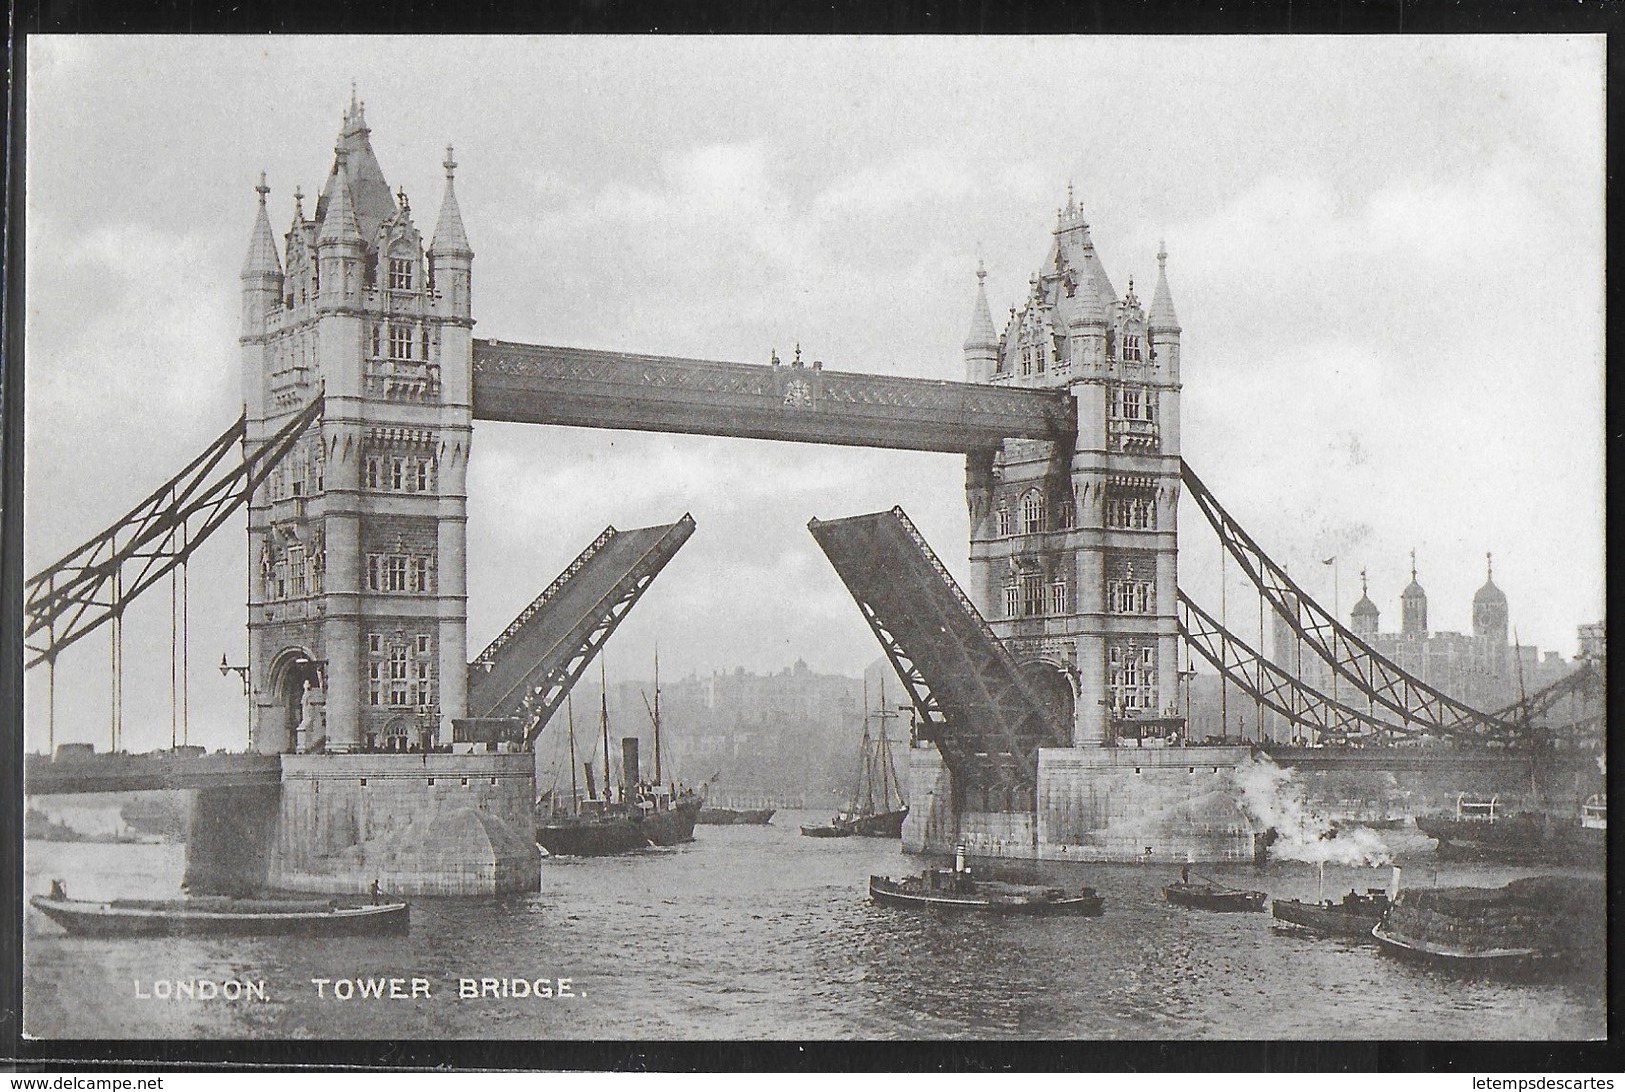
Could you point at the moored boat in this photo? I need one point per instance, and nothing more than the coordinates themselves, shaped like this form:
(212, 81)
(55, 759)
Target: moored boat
(878, 807)
(1481, 830)
(832, 829)
(954, 889)
(218, 916)
(1204, 894)
(735, 817)
(1534, 925)
(1351, 916)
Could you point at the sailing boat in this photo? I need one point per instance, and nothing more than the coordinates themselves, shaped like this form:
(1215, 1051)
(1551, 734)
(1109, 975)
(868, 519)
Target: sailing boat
(878, 807)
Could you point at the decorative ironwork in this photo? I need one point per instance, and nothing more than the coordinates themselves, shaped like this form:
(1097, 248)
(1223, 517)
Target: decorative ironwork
(1264, 681)
(529, 669)
(1375, 676)
(94, 583)
(591, 388)
(973, 699)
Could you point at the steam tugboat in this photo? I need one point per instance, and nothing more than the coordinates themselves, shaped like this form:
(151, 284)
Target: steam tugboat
(954, 889)
(646, 813)
(1205, 894)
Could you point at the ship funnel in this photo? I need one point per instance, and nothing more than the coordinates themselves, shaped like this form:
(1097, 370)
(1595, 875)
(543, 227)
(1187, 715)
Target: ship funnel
(629, 761)
(959, 857)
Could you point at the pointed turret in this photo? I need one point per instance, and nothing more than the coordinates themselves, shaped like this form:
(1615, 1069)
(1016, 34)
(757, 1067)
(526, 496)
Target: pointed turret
(1364, 618)
(262, 257)
(338, 219)
(982, 343)
(262, 271)
(1413, 606)
(354, 161)
(1161, 318)
(339, 247)
(449, 236)
(1490, 607)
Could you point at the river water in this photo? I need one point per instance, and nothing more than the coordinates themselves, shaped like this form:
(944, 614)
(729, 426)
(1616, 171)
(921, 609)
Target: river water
(758, 933)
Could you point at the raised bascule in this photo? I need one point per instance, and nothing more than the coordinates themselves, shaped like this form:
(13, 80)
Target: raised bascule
(1047, 693)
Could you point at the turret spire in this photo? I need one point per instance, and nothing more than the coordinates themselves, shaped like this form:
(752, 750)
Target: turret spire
(982, 336)
(339, 224)
(262, 257)
(1161, 317)
(449, 236)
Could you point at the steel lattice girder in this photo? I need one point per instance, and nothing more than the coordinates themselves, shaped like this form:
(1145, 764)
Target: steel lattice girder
(529, 670)
(967, 687)
(89, 586)
(1585, 681)
(1265, 681)
(1379, 678)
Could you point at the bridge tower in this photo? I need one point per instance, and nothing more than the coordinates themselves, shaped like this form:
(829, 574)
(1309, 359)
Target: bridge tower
(357, 605)
(1074, 552)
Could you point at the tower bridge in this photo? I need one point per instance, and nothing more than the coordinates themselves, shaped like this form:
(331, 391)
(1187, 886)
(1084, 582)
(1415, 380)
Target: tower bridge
(1048, 689)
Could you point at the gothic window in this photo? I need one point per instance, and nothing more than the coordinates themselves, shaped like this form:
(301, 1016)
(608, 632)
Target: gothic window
(397, 473)
(318, 463)
(280, 583)
(1150, 405)
(395, 573)
(377, 339)
(423, 689)
(400, 274)
(375, 642)
(425, 480)
(1144, 514)
(425, 343)
(374, 476)
(296, 570)
(400, 342)
(1026, 360)
(1012, 599)
(419, 575)
(1032, 512)
(1131, 346)
(1069, 516)
(1131, 403)
(1032, 594)
(1111, 345)
(1114, 404)
(1131, 596)
(1057, 596)
(374, 572)
(397, 675)
(1131, 678)
(375, 681)
(1006, 525)
(423, 644)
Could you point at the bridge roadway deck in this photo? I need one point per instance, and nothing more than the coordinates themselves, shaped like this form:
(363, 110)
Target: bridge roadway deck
(44, 775)
(590, 388)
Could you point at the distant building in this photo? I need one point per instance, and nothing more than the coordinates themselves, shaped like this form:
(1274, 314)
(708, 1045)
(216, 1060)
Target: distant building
(1482, 669)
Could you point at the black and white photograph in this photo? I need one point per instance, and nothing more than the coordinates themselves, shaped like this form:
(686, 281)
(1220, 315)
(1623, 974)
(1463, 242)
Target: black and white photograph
(743, 539)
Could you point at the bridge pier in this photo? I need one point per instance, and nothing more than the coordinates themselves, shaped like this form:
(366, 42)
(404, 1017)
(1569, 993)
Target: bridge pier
(1095, 804)
(418, 824)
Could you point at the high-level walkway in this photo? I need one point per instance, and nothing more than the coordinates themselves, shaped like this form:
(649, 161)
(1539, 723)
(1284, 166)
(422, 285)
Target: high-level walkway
(591, 388)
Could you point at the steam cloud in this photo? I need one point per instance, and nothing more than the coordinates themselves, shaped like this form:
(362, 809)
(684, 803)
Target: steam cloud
(1271, 799)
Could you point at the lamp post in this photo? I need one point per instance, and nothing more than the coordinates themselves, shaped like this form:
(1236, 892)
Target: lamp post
(248, 699)
(1186, 676)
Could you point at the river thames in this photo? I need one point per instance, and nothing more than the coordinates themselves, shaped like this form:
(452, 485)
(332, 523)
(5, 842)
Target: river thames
(757, 933)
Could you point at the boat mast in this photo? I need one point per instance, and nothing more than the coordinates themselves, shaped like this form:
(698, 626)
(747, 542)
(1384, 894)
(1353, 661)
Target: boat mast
(658, 778)
(570, 716)
(603, 719)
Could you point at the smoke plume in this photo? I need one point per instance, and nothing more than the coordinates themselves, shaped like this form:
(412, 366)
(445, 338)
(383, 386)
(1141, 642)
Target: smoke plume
(1272, 799)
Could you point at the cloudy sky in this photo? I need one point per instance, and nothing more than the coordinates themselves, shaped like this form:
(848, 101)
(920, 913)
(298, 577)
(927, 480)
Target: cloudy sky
(1386, 255)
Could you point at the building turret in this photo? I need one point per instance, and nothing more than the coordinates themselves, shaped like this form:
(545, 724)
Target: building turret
(1490, 608)
(982, 343)
(1363, 619)
(262, 272)
(451, 259)
(1413, 606)
(340, 248)
(1161, 322)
